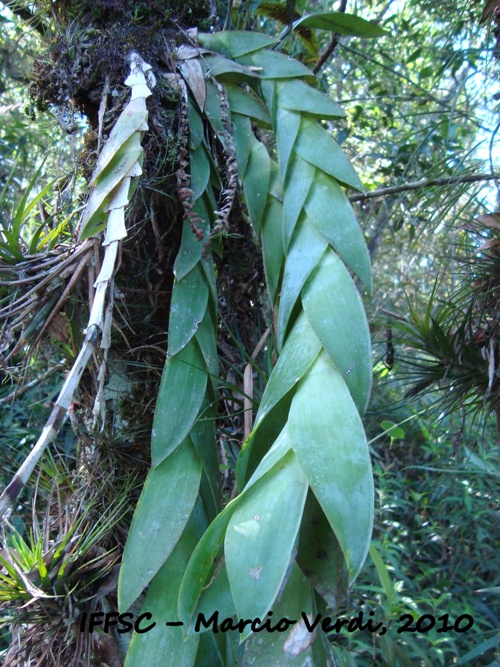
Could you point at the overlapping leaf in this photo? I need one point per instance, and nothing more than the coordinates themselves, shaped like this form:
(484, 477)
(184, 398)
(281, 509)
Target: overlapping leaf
(256, 561)
(157, 526)
(318, 235)
(308, 437)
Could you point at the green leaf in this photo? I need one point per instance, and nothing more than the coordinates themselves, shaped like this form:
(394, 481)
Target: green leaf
(181, 393)
(245, 102)
(216, 598)
(24, 209)
(256, 183)
(272, 238)
(393, 430)
(304, 254)
(335, 310)
(479, 650)
(316, 146)
(383, 575)
(167, 645)
(280, 447)
(207, 340)
(320, 556)
(243, 139)
(94, 215)
(228, 70)
(287, 129)
(163, 510)
(203, 564)
(299, 353)
(329, 209)
(275, 65)
(328, 437)
(196, 132)
(203, 437)
(297, 186)
(269, 648)
(268, 91)
(199, 163)
(213, 111)
(256, 561)
(342, 24)
(236, 43)
(262, 440)
(296, 95)
(191, 249)
(211, 651)
(188, 306)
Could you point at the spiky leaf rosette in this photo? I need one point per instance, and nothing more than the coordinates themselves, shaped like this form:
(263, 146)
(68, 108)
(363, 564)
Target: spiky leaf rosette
(301, 524)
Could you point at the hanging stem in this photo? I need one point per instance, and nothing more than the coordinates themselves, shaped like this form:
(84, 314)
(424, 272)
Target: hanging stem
(115, 232)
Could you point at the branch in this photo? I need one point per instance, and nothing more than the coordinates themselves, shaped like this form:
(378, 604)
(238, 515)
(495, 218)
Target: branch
(333, 44)
(24, 13)
(100, 318)
(417, 86)
(423, 183)
(20, 391)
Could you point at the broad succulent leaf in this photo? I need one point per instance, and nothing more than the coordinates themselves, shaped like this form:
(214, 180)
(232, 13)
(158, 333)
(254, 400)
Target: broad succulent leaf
(307, 441)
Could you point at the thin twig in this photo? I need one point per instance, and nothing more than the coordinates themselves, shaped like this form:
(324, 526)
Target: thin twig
(20, 391)
(394, 72)
(21, 10)
(333, 43)
(423, 183)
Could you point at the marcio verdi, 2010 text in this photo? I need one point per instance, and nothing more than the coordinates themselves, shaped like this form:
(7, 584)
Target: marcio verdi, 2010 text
(143, 623)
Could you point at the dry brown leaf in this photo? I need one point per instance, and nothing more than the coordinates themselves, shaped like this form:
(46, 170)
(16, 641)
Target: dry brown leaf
(490, 219)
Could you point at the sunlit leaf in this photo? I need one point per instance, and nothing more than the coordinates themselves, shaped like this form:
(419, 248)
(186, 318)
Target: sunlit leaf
(236, 43)
(287, 129)
(335, 310)
(328, 437)
(296, 95)
(275, 65)
(301, 349)
(304, 254)
(256, 562)
(316, 146)
(329, 209)
(156, 527)
(343, 24)
(297, 187)
(181, 393)
(189, 303)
